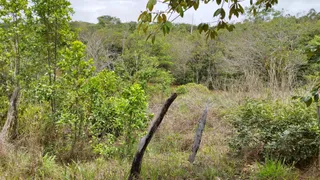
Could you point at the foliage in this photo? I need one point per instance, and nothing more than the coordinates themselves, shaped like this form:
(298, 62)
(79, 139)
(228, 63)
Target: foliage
(146, 63)
(313, 52)
(287, 132)
(274, 170)
(52, 33)
(3, 107)
(89, 99)
(270, 52)
(107, 20)
(73, 114)
(100, 106)
(180, 7)
(48, 168)
(118, 118)
(183, 89)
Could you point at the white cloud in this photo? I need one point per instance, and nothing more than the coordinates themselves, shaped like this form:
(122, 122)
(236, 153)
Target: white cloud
(129, 10)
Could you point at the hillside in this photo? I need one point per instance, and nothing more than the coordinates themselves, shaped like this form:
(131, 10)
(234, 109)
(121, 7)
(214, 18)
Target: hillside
(77, 97)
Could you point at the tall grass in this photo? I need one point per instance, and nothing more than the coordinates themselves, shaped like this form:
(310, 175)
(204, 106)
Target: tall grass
(275, 170)
(167, 154)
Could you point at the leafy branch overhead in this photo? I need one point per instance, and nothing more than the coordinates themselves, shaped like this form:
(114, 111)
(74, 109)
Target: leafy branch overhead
(308, 100)
(177, 8)
(313, 51)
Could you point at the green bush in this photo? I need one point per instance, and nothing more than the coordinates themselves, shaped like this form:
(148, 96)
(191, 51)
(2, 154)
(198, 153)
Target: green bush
(192, 87)
(101, 109)
(117, 111)
(3, 108)
(273, 170)
(282, 131)
(181, 89)
(154, 80)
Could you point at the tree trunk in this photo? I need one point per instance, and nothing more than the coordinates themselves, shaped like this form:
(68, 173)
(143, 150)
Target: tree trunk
(10, 128)
(136, 164)
(198, 136)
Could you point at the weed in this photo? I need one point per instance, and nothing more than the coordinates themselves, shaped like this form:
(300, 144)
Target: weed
(274, 170)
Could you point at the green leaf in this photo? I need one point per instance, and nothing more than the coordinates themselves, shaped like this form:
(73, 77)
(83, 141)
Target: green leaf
(314, 92)
(140, 16)
(205, 27)
(180, 10)
(307, 100)
(164, 17)
(316, 98)
(151, 4)
(149, 17)
(159, 19)
(218, 11)
(166, 27)
(169, 24)
(196, 5)
(296, 97)
(241, 9)
(149, 36)
(153, 39)
(231, 12)
(145, 28)
(236, 13)
(218, 2)
(254, 12)
(223, 13)
(200, 27)
(231, 28)
(213, 34)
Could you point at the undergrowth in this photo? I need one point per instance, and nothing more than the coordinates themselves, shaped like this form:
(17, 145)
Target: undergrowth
(278, 126)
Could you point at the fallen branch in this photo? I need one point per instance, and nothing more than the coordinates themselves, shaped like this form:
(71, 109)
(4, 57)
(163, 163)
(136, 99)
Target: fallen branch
(136, 164)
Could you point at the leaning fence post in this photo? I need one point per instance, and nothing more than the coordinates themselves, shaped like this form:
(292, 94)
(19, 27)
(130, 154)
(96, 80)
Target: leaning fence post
(318, 113)
(136, 163)
(197, 138)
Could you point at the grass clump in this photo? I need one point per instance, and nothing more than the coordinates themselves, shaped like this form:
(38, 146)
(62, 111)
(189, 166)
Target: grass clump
(275, 170)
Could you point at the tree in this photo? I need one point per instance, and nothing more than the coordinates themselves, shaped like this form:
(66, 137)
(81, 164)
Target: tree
(14, 53)
(75, 69)
(145, 62)
(164, 22)
(107, 20)
(53, 34)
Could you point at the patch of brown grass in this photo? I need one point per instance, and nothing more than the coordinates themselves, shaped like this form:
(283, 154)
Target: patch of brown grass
(311, 172)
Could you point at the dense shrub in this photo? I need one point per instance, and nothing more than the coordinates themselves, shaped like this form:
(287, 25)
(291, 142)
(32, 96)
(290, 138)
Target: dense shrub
(282, 131)
(121, 115)
(154, 80)
(192, 87)
(99, 109)
(3, 107)
(109, 111)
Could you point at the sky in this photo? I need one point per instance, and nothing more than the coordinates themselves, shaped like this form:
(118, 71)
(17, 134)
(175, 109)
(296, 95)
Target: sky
(129, 10)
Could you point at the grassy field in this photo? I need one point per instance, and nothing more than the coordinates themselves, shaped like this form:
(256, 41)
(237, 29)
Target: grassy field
(167, 154)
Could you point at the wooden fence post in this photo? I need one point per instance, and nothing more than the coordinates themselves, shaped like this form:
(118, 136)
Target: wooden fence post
(136, 163)
(198, 136)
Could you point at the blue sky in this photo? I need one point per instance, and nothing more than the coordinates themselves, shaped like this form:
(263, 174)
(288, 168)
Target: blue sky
(129, 10)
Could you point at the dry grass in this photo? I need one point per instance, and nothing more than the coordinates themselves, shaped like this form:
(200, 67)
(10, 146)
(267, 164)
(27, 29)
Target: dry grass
(173, 141)
(311, 172)
(167, 155)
